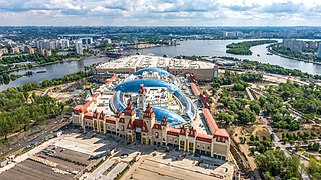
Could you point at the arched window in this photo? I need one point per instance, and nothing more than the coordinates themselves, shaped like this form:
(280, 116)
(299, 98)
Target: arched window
(156, 134)
(122, 127)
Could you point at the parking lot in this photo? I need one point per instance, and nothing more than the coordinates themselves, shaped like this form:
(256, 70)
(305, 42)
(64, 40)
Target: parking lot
(31, 170)
(177, 165)
(71, 153)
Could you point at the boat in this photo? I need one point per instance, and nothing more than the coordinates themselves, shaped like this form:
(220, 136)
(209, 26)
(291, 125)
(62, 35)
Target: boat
(270, 54)
(41, 71)
(258, 55)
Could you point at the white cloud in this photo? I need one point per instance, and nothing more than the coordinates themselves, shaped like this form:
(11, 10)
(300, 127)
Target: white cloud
(160, 12)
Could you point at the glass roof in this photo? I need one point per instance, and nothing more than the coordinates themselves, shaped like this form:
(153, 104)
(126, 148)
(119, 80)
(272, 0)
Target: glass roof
(132, 86)
(173, 118)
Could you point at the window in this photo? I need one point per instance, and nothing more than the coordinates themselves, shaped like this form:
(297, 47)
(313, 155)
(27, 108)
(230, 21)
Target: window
(156, 135)
(208, 147)
(122, 127)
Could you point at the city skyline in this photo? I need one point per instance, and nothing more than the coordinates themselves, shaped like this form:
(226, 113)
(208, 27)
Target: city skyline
(160, 13)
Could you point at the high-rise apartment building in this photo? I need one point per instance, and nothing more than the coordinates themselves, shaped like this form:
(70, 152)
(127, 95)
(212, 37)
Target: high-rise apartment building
(86, 41)
(293, 44)
(79, 48)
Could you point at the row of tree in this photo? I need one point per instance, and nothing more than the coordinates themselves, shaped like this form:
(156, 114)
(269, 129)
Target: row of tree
(243, 48)
(19, 109)
(276, 163)
(287, 52)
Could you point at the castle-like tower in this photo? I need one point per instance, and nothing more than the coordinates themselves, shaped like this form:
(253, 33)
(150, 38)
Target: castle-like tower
(141, 101)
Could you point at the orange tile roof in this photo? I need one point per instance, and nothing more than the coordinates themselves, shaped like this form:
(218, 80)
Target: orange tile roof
(173, 132)
(222, 133)
(111, 120)
(83, 108)
(157, 125)
(204, 137)
(89, 116)
(195, 90)
(210, 120)
(94, 96)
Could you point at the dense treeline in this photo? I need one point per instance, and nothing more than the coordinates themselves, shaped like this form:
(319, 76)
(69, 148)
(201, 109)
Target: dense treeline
(230, 78)
(276, 163)
(274, 69)
(236, 107)
(19, 109)
(287, 52)
(304, 98)
(243, 48)
(36, 57)
(8, 62)
(314, 169)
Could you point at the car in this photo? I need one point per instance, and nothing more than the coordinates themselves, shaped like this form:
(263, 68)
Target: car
(93, 135)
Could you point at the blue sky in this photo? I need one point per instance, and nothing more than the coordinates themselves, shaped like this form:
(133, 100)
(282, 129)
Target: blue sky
(161, 12)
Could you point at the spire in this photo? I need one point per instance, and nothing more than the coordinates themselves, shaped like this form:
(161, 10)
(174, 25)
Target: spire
(130, 110)
(142, 89)
(95, 114)
(102, 115)
(183, 130)
(164, 121)
(192, 132)
(149, 112)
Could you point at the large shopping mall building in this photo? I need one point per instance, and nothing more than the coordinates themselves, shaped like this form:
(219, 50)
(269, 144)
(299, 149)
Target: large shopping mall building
(152, 106)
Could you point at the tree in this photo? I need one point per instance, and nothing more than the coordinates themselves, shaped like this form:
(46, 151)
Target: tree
(255, 106)
(238, 87)
(272, 137)
(252, 138)
(267, 176)
(314, 170)
(276, 163)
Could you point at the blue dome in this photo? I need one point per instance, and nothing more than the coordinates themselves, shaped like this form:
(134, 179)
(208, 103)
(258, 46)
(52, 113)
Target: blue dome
(153, 69)
(132, 86)
(173, 118)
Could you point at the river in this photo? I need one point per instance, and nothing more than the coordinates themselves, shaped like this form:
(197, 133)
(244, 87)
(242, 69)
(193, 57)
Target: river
(190, 47)
(52, 71)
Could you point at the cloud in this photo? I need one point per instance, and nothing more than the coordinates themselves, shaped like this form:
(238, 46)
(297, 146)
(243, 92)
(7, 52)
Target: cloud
(162, 12)
(283, 7)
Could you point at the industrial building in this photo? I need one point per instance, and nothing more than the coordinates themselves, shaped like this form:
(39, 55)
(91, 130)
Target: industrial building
(205, 70)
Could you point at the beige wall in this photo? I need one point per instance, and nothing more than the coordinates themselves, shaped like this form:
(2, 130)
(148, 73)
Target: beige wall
(204, 146)
(200, 74)
(220, 149)
(172, 139)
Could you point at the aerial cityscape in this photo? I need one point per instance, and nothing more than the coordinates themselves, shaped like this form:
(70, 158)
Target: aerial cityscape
(162, 89)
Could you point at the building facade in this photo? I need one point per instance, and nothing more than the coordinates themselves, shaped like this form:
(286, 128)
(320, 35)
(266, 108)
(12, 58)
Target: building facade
(144, 128)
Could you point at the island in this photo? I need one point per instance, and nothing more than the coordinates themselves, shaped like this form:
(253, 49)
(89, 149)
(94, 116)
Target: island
(243, 48)
(307, 55)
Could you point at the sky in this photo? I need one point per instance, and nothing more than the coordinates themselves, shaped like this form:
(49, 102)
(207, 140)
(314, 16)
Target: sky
(161, 12)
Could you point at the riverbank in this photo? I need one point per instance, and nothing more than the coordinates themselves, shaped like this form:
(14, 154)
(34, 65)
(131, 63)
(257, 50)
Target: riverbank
(49, 63)
(270, 50)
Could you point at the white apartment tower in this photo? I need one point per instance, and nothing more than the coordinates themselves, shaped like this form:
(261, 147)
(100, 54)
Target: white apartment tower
(79, 48)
